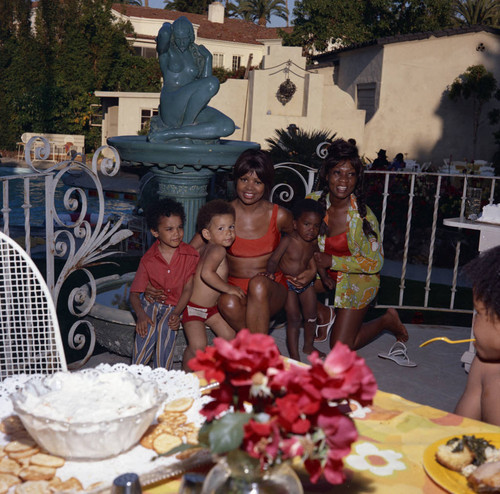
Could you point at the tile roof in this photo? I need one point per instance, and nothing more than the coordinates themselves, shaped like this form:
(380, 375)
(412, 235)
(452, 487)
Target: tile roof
(235, 30)
(409, 37)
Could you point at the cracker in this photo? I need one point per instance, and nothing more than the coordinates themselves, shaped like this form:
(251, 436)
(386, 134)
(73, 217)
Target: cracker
(46, 460)
(7, 480)
(11, 424)
(148, 437)
(179, 405)
(33, 487)
(19, 445)
(173, 418)
(35, 472)
(165, 442)
(71, 484)
(18, 455)
(9, 466)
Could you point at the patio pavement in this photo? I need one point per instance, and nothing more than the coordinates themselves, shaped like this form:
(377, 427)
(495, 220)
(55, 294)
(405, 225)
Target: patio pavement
(438, 380)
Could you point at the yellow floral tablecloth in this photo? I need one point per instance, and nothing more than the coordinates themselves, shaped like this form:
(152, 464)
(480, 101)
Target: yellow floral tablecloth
(388, 456)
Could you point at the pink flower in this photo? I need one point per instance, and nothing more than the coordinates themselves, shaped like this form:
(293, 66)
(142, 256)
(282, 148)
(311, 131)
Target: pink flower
(288, 412)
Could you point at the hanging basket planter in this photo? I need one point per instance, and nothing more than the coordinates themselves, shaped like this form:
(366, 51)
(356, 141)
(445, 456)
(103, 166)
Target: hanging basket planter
(286, 91)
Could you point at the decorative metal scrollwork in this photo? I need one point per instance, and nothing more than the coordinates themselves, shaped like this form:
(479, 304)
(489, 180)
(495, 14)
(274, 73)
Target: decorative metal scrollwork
(72, 236)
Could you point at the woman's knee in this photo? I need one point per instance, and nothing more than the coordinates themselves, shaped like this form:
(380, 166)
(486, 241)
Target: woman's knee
(228, 304)
(259, 287)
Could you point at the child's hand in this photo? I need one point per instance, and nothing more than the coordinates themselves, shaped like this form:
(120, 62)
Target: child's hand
(174, 322)
(152, 294)
(237, 291)
(328, 282)
(267, 274)
(143, 322)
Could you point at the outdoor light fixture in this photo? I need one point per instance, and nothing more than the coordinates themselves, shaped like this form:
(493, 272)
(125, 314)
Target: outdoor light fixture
(480, 47)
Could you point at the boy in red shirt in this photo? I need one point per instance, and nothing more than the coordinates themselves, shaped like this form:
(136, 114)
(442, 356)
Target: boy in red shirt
(169, 265)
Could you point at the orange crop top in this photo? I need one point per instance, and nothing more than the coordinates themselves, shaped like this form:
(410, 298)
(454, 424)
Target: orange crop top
(255, 247)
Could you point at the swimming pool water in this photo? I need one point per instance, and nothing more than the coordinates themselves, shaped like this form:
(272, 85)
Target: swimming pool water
(116, 204)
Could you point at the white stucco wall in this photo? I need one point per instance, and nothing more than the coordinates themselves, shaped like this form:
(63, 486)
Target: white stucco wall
(414, 115)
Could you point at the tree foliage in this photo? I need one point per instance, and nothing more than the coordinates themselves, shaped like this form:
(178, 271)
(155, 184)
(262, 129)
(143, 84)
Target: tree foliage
(357, 21)
(478, 85)
(472, 12)
(49, 71)
(190, 6)
(260, 11)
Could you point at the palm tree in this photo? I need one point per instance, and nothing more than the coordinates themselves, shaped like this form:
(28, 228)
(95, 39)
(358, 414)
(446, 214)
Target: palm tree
(472, 12)
(262, 10)
(137, 3)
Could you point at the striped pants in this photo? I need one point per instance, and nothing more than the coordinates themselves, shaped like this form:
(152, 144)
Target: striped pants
(159, 342)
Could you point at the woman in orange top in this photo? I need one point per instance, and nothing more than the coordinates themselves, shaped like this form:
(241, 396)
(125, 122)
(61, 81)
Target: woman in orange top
(259, 225)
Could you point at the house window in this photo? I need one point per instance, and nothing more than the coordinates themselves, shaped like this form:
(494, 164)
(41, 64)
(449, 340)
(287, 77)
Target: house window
(146, 116)
(365, 97)
(145, 51)
(218, 59)
(236, 62)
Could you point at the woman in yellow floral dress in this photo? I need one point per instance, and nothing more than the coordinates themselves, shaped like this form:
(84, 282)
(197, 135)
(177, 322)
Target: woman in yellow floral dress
(351, 250)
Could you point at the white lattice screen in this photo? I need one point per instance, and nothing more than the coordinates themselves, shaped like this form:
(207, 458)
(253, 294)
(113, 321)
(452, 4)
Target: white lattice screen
(30, 341)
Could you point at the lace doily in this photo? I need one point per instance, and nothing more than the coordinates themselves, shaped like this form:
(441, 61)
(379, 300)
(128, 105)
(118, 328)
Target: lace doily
(138, 459)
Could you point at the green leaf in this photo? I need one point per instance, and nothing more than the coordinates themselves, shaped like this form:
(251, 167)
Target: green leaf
(226, 433)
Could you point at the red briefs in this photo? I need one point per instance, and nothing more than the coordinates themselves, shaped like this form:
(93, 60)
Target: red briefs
(279, 277)
(194, 312)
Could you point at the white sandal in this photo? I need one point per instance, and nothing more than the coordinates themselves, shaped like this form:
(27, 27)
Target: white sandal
(329, 326)
(398, 354)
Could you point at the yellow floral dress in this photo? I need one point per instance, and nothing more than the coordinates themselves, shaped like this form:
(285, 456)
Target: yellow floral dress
(358, 277)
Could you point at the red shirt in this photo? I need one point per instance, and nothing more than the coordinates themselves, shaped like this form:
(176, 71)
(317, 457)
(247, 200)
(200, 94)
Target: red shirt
(172, 277)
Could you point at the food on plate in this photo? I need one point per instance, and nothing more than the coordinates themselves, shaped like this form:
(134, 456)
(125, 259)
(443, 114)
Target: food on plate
(11, 425)
(172, 428)
(165, 442)
(179, 405)
(8, 465)
(45, 460)
(34, 487)
(7, 480)
(486, 477)
(454, 455)
(35, 472)
(475, 458)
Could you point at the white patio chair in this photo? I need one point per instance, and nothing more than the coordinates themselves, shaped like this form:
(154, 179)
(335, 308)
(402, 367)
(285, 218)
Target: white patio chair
(30, 341)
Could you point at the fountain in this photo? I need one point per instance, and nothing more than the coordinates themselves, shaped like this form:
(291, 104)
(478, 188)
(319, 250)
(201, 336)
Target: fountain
(184, 146)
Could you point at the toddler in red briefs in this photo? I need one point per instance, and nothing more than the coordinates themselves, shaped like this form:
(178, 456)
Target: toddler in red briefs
(216, 226)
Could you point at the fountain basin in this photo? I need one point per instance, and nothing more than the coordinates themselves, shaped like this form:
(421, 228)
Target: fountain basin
(139, 151)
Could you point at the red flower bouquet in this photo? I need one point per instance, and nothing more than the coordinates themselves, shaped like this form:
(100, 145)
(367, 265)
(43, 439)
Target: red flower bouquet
(276, 411)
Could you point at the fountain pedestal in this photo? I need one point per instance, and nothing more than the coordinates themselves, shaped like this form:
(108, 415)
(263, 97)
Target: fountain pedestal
(183, 169)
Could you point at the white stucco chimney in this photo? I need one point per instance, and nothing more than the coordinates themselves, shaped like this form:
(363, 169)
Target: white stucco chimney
(216, 12)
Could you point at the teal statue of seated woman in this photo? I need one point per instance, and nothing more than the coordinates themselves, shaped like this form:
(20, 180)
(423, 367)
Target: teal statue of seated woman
(188, 86)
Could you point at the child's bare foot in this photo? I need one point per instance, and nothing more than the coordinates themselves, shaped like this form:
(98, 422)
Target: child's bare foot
(393, 323)
(314, 349)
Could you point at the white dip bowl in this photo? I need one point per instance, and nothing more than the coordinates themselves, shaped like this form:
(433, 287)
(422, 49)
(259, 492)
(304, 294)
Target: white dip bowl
(88, 415)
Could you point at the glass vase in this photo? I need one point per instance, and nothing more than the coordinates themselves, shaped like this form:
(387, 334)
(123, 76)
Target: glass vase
(238, 473)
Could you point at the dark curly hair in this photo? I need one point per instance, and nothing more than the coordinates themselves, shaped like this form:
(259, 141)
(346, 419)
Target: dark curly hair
(484, 273)
(163, 207)
(341, 151)
(217, 207)
(307, 206)
(258, 161)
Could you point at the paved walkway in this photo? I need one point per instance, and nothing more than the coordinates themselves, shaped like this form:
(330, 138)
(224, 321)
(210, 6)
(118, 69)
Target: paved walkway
(438, 380)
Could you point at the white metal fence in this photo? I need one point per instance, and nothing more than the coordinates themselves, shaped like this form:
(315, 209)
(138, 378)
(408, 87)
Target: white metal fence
(411, 207)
